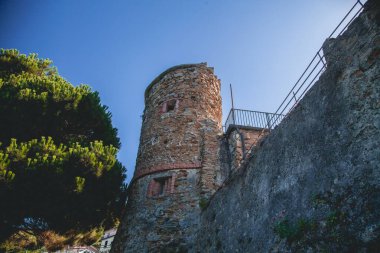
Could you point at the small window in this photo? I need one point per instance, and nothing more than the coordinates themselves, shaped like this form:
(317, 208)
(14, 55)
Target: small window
(160, 186)
(170, 105)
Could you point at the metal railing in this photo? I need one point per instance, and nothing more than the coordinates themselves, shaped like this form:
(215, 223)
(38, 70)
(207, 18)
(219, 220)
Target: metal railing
(313, 70)
(307, 79)
(254, 119)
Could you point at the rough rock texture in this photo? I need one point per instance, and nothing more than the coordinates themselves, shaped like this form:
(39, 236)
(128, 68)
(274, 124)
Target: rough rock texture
(224, 161)
(240, 140)
(313, 184)
(178, 163)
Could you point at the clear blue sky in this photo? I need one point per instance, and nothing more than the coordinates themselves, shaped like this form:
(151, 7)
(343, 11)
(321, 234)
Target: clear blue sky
(119, 47)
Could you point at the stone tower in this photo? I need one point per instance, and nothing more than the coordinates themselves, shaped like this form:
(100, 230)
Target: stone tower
(177, 167)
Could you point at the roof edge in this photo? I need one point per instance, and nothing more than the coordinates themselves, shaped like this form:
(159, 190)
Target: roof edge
(159, 77)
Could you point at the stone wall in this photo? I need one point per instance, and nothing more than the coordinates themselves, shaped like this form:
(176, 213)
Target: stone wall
(313, 184)
(240, 140)
(178, 162)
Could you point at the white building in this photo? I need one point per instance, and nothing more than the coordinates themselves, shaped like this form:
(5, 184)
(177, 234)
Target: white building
(107, 239)
(78, 249)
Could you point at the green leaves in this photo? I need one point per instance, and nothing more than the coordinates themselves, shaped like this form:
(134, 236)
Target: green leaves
(11, 61)
(33, 94)
(294, 232)
(79, 184)
(58, 160)
(28, 86)
(45, 154)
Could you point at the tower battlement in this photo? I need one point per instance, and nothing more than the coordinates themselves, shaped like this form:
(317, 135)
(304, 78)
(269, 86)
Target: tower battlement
(177, 165)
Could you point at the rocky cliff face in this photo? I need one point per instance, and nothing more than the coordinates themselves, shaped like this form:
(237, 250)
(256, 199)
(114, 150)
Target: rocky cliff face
(313, 184)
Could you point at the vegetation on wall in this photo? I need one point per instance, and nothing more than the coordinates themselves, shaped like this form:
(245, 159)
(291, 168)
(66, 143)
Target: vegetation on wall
(333, 224)
(60, 181)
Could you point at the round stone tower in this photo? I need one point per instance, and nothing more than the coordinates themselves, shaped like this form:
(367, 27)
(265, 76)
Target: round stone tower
(177, 166)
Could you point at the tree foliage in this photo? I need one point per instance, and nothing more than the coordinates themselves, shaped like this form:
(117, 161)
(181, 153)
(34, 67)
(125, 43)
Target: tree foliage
(59, 174)
(36, 101)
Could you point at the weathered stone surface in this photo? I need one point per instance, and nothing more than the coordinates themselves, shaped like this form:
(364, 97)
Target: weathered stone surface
(312, 184)
(240, 141)
(178, 163)
(315, 179)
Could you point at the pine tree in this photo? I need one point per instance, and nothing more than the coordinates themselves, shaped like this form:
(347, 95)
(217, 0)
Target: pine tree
(60, 181)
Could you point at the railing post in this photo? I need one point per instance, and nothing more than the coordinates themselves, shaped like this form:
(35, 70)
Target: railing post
(233, 116)
(295, 98)
(268, 121)
(232, 103)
